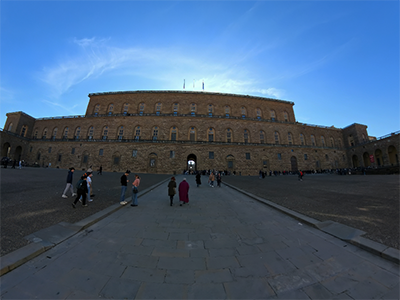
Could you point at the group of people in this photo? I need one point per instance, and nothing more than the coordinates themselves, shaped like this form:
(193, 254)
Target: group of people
(124, 187)
(183, 190)
(84, 191)
(84, 188)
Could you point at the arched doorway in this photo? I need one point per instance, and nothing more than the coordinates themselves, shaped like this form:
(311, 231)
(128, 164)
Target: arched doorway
(378, 157)
(366, 159)
(5, 151)
(393, 157)
(152, 167)
(355, 161)
(191, 164)
(293, 163)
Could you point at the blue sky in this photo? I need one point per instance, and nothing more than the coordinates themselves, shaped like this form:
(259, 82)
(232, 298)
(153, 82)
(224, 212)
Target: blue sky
(338, 61)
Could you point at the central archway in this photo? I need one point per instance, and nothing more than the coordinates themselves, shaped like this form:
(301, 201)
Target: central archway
(191, 164)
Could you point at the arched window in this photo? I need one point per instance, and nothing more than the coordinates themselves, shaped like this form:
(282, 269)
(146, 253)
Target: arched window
(105, 133)
(65, 135)
(175, 108)
(77, 133)
(44, 136)
(332, 142)
(227, 110)
(229, 135)
(125, 109)
(210, 109)
(23, 130)
(262, 137)
(110, 109)
(339, 143)
(96, 109)
(290, 140)
(192, 134)
(121, 132)
(54, 136)
(158, 108)
(211, 133)
(243, 111)
(258, 113)
(276, 137)
(10, 127)
(302, 141)
(285, 116)
(193, 109)
(312, 140)
(90, 133)
(174, 132)
(322, 141)
(141, 108)
(155, 133)
(273, 116)
(246, 136)
(137, 133)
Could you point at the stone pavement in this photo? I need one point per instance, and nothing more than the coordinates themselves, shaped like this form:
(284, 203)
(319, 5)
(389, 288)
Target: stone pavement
(222, 245)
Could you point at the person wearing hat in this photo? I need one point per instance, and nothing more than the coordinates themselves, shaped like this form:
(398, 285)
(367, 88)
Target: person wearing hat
(124, 185)
(69, 186)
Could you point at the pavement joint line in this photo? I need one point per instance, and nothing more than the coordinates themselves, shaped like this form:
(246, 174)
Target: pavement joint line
(38, 245)
(331, 228)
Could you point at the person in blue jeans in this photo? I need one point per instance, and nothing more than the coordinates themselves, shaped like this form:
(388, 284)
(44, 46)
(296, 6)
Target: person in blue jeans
(135, 190)
(124, 185)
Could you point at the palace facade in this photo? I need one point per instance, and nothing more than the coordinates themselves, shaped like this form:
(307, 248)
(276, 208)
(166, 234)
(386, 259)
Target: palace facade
(171, 131)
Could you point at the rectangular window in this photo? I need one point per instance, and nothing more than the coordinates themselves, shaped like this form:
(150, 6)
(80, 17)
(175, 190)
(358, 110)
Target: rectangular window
(173, 136)
(49, 149)
(73, 151)
(101, 152)
(85, 159)
(230, 164)
(279, 156)
(211, 155)
(134, 153)
(59, 157)
(305, 157)
(30, 149)
(192, 137)
(116, 160)
(171, 154)
(247, 155)
(210, 137)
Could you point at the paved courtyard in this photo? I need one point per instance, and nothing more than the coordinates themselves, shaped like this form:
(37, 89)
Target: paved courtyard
(222, 245)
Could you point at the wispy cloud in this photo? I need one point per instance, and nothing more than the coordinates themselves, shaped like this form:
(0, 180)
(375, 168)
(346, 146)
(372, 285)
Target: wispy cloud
(167, 65)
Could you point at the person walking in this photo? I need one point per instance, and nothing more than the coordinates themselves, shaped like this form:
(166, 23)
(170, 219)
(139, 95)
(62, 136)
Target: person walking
(212, 178)
(82, 190)
(198, 179)
(172, 190)
(183, 192)
(100, 171)
(69, 186)
(124, 185)
(219, 179)
(135, 190)
(89, 185)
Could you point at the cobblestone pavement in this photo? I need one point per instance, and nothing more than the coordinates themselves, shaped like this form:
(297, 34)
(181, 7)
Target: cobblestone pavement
(369, 203)
(31, 200)
(222, 245)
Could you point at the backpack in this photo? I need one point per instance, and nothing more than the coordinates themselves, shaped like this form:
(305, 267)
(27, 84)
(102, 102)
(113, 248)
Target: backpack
(80, 185)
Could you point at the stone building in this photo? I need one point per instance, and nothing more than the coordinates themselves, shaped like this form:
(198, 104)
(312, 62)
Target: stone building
(172, 131)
